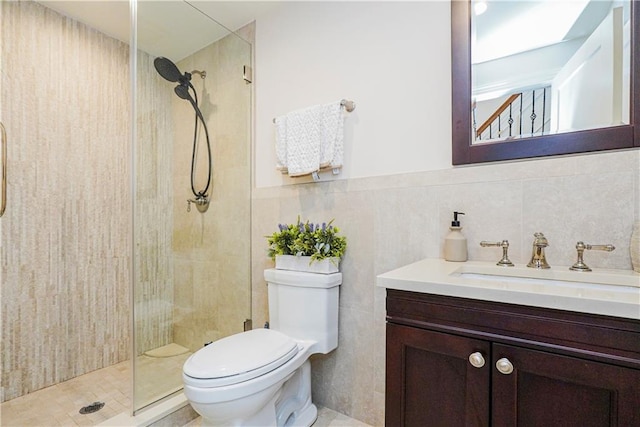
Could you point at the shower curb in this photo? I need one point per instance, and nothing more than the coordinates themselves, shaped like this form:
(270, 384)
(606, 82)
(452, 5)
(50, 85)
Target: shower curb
(148, 416)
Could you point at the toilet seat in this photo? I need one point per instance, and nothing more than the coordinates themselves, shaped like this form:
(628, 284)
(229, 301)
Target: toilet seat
(240, 357)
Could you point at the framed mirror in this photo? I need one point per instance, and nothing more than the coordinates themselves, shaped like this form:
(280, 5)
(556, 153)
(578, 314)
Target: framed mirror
(468, 147)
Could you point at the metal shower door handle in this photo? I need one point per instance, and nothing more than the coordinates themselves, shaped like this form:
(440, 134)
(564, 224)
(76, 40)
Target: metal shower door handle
(3, 137)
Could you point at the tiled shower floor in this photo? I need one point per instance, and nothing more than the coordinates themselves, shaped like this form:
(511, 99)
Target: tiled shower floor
(59, 405)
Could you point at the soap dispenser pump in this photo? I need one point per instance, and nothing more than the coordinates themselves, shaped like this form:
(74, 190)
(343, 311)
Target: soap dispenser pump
(455, 244)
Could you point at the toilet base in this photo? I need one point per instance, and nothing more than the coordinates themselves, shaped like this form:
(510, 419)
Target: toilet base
(294, 407)
(305, 418)
(264, 417)
(289, 405)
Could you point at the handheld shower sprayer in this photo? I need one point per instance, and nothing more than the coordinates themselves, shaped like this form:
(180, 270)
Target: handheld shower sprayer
(169, 71)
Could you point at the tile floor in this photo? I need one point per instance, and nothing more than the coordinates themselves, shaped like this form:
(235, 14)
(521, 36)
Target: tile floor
(59, 405)
(326, 418)
(330, 418)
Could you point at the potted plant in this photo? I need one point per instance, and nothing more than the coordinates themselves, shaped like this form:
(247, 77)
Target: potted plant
(315, 248)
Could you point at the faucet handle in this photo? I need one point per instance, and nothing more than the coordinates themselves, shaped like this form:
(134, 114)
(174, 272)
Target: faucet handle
(581, 247)
(505, 261)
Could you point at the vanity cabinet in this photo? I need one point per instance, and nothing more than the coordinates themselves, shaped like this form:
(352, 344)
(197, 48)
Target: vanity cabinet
(461, 362)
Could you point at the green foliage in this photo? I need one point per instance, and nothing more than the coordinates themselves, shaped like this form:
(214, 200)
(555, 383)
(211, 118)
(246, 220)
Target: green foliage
(318, 241)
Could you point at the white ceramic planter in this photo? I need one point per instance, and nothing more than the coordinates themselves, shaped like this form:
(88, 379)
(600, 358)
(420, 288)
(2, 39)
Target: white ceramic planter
(304, 263)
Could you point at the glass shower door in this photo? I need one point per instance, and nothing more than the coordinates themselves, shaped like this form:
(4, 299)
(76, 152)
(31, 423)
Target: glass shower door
(192, 269)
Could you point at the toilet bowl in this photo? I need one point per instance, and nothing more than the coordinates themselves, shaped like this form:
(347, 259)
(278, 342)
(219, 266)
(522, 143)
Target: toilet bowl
(262, 377)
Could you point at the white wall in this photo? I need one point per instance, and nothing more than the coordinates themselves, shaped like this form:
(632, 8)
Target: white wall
(587, 92)
(379, 54)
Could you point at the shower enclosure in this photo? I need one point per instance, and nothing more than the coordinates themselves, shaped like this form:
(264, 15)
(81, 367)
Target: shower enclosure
(103, 261)
(191, 266)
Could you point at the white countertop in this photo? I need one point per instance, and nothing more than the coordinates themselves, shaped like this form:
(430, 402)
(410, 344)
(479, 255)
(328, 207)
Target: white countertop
(608, 292)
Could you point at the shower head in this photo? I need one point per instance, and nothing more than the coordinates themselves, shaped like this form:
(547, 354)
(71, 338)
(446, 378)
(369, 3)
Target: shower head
(183, 92)
(168, 70)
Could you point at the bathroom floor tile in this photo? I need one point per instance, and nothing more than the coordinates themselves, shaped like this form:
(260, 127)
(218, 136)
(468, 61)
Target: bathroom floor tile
(326, 418)
(59, 404)
(330, 418)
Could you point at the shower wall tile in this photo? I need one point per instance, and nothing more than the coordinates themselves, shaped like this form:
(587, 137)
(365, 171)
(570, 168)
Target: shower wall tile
(153, 212)
(65, 235)
(215, 247)
(392, 221)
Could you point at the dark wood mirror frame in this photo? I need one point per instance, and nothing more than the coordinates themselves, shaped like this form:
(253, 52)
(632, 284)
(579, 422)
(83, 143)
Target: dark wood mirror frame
(617, 137)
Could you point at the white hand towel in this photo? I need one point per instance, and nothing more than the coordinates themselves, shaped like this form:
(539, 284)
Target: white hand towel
(304, 134)
(309, 139)
(281, 142)
(332, 146)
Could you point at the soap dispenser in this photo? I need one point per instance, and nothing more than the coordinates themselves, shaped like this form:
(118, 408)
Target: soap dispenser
(455, 244)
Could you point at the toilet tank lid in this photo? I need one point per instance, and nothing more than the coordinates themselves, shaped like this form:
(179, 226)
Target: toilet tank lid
(239, 354)
(302, 279)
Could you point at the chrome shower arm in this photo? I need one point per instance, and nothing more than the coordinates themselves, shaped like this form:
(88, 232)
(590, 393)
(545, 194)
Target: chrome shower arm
(202, 74)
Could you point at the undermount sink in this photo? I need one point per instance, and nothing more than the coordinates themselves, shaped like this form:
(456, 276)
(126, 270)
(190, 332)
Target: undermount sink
(601, 291)
(596, 285)
(611, 280)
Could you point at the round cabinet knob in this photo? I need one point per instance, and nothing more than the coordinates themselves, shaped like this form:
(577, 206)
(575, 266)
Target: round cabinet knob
(504, 366)
(476, 359)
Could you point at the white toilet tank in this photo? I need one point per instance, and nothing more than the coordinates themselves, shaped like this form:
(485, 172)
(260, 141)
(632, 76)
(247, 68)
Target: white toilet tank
(304, 306)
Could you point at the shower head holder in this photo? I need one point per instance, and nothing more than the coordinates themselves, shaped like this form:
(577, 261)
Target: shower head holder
(201, 201)
(202, 74)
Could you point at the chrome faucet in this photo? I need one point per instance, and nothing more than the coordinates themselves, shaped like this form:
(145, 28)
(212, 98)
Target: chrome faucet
(538, 259)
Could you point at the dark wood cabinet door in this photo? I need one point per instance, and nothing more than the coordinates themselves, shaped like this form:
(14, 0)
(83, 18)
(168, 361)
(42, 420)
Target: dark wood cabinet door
(430, 381)
(547, 389)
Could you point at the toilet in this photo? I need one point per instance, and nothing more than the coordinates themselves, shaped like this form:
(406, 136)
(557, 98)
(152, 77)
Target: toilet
(262, 377)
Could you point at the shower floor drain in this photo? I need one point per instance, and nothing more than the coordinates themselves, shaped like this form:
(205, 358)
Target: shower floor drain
(94, 407)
